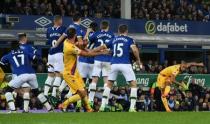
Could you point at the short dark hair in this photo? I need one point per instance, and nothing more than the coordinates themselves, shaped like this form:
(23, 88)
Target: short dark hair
(14, 45)
(76, 17)
(71, 32)
(93, 26)
(122, 28)
(21, 35)
(57, 17)
(104, 24)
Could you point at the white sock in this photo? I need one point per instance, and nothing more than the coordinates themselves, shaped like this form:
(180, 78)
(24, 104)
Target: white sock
(44, 101)
(10, 101)
(105, 96)
(133, 97)
(48, 84)
(62, 86)
(26, 99)
(56, 84)
(92, 91)
(69, 94)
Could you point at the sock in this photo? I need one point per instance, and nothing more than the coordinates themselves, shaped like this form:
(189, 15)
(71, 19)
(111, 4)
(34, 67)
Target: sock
(68, 95)
(70, 100)
(10, 101)
(86, 103)
(105, 96)
(165, 103)
(26, 99)
(44, 101)
(133, 97)
(62, 86)
(56, 84)
(107, 100)
(92, 91)
(48, 84)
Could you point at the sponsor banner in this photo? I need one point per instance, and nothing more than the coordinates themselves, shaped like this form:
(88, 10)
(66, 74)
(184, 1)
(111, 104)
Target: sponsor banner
(145, 80)
(40, 23)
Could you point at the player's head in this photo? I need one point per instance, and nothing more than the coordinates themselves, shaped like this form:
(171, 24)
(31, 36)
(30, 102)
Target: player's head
(77, 18)
(14, 45)
(71, 34)
(94, 26)
(123, 29)
(58, 21)
(22, 37)
(104, 25)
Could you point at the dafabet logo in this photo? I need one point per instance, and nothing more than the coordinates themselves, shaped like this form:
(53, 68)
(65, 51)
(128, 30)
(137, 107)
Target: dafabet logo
(152, 27)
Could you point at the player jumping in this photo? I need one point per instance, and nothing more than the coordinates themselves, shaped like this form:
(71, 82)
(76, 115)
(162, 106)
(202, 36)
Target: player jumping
(55, 57)
(101, 62)
(120, 62)
(168, 76)
(71, 74)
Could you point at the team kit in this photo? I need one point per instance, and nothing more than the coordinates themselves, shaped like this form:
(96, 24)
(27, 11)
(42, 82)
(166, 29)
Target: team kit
(76, 56)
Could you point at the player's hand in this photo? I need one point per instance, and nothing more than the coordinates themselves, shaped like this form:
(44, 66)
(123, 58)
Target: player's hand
(139, 63)
(200, 64)
(89, 30)
(106, 52)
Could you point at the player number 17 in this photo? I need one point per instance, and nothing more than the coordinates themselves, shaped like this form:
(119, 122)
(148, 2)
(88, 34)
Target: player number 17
(21, 56)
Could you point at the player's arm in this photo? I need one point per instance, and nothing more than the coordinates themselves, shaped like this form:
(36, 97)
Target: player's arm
(194, 64)
(92, 53)
(60, 40)
(87, 33)
(135, 51)
(100, 48)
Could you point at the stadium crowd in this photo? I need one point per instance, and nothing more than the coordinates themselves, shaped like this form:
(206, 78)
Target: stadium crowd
(192, 10)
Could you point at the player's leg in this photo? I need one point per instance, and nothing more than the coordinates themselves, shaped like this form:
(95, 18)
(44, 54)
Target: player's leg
(56, 83)
(9, 98)
(111, 78)
(161, 81)
(26, 97)
(58, 68)
(34, 86)
(62, 86)
(96, 72)
(106, 67)
(165, 93)
(50, 77)
(77, 87)
(15, 83)
(130, 77)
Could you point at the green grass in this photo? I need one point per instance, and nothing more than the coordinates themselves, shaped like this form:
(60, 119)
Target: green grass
(108, 118)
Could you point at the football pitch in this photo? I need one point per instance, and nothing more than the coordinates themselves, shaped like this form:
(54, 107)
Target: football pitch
(108, 118)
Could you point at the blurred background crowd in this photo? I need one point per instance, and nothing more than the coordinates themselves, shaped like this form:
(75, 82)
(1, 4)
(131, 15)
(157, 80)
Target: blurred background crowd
(192, 10)
(195, 98)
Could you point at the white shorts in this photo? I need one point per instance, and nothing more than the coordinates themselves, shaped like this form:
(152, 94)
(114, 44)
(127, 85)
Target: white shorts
(125, 69)
(101, 68)
(56, 62)
(18, 81)
(85, 69)
(25, 85)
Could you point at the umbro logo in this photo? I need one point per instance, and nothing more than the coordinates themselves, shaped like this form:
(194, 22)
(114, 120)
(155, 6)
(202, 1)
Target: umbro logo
(86, 22)
(42, 21)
